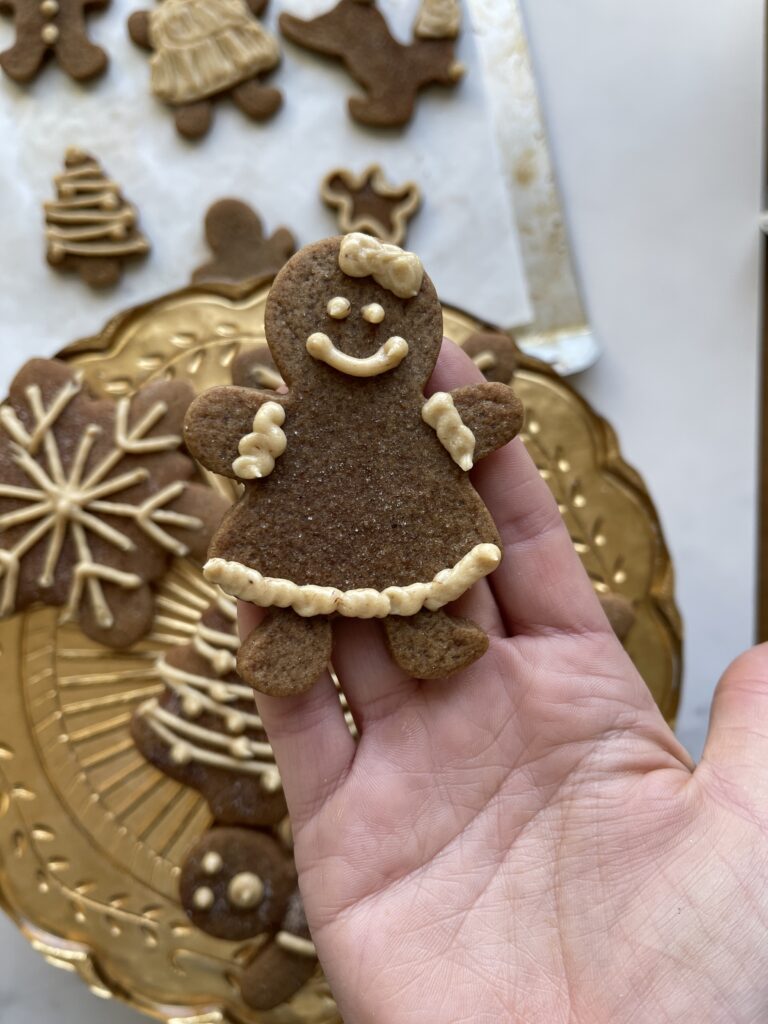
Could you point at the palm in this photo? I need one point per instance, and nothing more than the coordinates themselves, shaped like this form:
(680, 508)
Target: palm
(526, 841)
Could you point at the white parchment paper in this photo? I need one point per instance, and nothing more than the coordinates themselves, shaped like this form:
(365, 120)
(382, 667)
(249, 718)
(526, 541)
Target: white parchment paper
(464, 233)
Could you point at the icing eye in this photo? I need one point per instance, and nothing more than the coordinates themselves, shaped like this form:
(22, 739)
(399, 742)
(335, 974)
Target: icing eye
(212, 862)
(338, 308)
(374, 313)
(203, 898)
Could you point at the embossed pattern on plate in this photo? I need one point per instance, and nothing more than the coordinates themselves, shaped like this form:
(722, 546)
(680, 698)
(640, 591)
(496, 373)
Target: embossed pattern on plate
(91, 835)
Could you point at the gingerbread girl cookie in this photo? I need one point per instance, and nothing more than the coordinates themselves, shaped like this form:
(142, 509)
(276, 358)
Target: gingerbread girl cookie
(356, 497)
(203, 49)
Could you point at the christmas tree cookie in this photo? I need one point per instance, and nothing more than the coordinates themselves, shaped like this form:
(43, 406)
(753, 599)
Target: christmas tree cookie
(356, 497)
(89, 227)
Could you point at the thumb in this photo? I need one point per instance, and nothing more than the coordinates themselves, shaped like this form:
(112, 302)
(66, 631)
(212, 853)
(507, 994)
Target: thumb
(737, 743)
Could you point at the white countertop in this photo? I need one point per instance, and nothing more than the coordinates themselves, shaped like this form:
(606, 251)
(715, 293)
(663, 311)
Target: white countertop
(654, 113)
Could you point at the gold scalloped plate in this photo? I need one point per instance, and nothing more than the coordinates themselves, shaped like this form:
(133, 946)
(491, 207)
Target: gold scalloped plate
(91, 836)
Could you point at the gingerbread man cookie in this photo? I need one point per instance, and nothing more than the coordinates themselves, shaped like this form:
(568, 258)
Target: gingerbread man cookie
(237, 884)
(51, 28)
(356, 498)
(391, 73)
(203, 49)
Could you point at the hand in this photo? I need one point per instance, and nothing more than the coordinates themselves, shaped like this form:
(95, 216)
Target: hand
(527, 841)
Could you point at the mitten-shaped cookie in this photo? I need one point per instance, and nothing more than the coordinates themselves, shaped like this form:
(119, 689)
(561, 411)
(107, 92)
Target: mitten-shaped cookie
(356, 497)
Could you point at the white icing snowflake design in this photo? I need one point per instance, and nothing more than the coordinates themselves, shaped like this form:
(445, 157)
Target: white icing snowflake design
(61, 503)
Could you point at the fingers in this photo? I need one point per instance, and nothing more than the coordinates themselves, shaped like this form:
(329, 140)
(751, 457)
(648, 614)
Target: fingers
(541, 585)
(372, 683)
(309, 735)
(737, 743)
(479, 605)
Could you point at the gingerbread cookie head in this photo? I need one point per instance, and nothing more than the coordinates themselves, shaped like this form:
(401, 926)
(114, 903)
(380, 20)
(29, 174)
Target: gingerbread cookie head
(236, 883)
(357, 307)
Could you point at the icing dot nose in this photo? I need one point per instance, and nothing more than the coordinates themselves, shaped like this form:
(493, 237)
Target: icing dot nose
(245, 890)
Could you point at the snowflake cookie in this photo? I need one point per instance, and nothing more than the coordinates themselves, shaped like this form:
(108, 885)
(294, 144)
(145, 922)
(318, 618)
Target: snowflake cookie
(95, 499)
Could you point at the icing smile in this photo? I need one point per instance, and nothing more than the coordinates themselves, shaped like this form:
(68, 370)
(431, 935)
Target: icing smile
(386, 357)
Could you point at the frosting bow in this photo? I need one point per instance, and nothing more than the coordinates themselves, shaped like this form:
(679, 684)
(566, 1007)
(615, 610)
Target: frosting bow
(398, 271)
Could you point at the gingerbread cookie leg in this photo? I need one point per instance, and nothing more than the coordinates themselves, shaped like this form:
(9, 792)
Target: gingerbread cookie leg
(286, 653)
(256, 100)
(281, 967)
(385, 109)
(432, 645)
(22, 60)
(76, 54)
(194, 119)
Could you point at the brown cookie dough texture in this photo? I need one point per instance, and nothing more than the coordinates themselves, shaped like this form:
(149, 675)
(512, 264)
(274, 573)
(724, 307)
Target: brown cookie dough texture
(356, 499)
(367, 202)
(95, 499)
(494, 354)
(51, 28)
(89, 227)
(204, 49)
(240, 251)
(390, 73)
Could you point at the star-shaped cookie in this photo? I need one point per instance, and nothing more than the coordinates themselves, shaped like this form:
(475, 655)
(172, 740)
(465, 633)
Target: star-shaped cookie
(367, 202)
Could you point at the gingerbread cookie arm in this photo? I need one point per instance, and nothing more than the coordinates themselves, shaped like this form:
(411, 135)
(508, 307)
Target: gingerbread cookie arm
(493, 413)
(138, 29)
(257, 7)
(236, 432)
